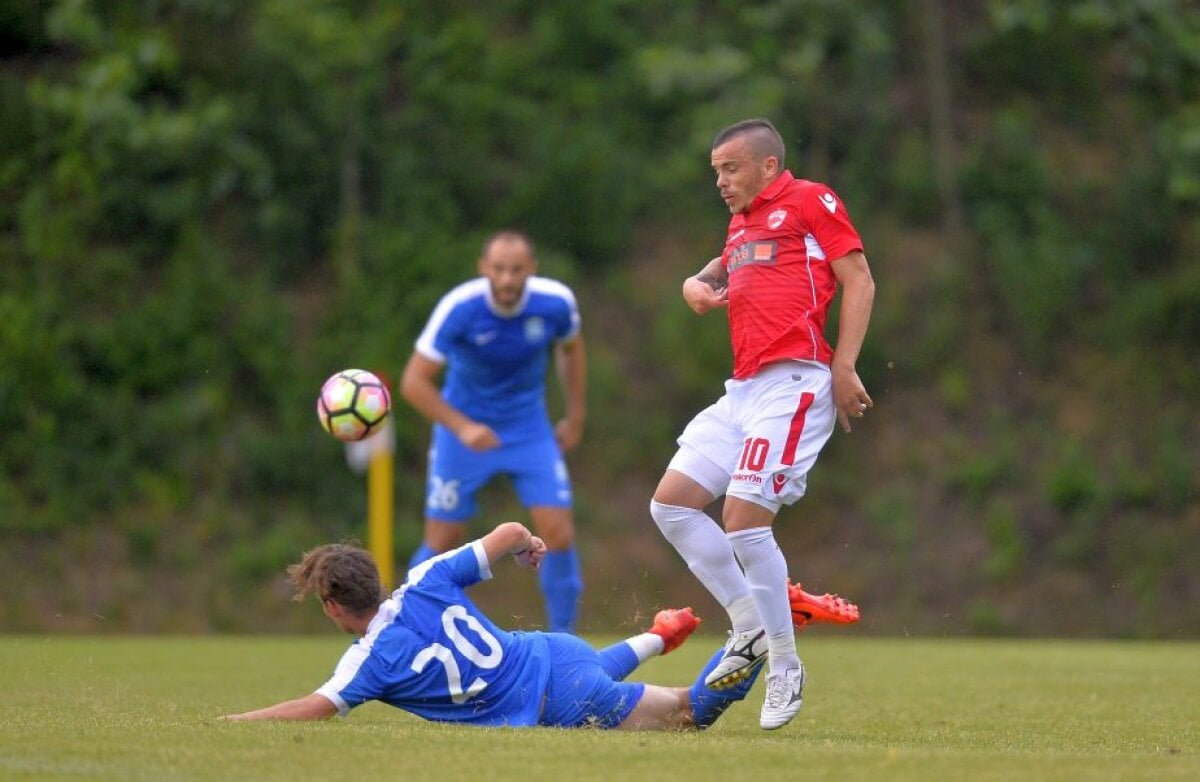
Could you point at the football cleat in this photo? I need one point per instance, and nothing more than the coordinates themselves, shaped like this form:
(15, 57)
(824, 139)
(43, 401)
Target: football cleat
(785, 696)
(673, 626)
(743, 653)
(811, 609)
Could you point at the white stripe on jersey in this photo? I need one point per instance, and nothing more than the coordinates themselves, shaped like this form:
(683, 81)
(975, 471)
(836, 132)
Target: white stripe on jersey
(480, 286)
(460, 293)
(356, 655)
(812, 249)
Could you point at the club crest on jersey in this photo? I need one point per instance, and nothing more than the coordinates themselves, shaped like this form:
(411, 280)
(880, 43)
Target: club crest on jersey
(829, 201)
(776, 218)
(752, 252)
(535, 329)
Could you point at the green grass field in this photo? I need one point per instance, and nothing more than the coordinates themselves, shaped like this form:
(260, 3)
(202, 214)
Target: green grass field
(889, 709)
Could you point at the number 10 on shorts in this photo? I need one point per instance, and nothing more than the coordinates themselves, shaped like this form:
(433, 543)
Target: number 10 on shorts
(754, 454)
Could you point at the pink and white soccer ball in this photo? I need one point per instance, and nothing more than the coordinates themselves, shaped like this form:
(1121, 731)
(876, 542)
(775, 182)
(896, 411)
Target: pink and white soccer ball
(353, 404)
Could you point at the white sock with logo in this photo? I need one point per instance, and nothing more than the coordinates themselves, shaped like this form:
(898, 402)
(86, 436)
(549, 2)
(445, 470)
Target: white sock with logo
(706, 550)
(766, 572)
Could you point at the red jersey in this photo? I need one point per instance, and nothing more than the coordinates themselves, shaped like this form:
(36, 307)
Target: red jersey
(777, 256)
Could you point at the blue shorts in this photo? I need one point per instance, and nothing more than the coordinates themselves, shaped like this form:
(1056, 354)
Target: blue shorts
(579, 692)
(456, 474)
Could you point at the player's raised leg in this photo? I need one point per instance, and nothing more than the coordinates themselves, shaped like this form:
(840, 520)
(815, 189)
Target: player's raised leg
(709, 555)
(690, 483)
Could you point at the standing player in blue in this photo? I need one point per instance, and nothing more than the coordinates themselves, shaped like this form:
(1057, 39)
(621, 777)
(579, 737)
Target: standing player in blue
(430, 651)
(494, 335)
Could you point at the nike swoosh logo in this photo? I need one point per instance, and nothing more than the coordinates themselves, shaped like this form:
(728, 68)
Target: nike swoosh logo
(486, 337)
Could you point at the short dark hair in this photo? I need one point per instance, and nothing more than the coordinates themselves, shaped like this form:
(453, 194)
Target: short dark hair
(507, 234)
(340, 572)
(763, 137)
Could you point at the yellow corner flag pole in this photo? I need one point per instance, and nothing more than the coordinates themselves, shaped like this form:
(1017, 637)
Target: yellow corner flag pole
(381, 512)
(377, 453)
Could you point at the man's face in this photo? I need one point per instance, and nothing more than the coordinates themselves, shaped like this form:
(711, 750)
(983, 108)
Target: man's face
(508, 263)
(740, 176)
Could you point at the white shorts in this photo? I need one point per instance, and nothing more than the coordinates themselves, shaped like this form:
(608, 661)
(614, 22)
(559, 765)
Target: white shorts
(759, 440)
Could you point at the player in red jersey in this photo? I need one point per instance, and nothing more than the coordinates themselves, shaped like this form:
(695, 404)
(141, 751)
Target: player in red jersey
(790, 243)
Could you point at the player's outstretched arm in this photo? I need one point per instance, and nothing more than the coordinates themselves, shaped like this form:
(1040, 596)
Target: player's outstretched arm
(514, 538)
(310, 707)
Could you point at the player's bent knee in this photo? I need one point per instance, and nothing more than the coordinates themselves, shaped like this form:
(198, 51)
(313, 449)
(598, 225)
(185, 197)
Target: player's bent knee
(665, 515)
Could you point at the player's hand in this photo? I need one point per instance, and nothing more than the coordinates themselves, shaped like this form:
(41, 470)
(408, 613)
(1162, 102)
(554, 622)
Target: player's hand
(531, 556)
(849, 396)
(569, 433)
(477, 436)
(703, 297)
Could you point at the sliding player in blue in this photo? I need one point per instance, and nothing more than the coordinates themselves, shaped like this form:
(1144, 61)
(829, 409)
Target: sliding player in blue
(494, 336)
(427, 649)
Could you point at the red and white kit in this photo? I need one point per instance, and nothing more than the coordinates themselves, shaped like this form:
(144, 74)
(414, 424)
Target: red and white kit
(761, 438)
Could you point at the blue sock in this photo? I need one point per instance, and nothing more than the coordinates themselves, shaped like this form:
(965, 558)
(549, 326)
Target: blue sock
(708, 704)
(561, 583)
(619, 660)
(422, 553)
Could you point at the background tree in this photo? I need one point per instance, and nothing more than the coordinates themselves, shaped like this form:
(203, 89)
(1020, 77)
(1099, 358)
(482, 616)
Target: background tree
(207, 207)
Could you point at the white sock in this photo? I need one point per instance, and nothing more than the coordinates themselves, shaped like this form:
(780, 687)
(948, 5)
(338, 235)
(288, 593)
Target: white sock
(743, 614)
(766, 572)
(707, 552)
(645, 646)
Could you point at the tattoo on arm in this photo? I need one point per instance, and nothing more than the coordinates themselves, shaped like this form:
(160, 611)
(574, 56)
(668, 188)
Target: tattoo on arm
(715, 275)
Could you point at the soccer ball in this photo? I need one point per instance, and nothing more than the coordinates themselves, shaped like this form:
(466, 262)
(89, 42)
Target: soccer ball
(353, 404)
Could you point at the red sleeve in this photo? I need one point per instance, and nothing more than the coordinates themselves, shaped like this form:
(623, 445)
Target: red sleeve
(830, 222)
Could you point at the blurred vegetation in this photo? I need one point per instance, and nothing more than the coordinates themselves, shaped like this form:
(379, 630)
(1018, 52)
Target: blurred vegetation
(207, 206)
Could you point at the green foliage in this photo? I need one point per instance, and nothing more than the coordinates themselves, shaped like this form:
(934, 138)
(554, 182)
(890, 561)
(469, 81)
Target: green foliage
(208, 207)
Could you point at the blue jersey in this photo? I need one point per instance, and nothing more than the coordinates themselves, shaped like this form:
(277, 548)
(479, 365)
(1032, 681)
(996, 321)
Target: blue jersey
(497, 363)
(431, 652)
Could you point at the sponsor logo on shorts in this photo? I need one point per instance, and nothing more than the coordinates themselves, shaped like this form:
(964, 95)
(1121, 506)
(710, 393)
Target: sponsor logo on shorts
(747, 477)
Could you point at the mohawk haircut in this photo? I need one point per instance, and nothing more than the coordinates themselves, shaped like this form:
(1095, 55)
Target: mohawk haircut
(762, 136)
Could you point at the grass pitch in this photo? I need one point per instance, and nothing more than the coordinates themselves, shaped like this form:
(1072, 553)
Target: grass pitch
(880, 709)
